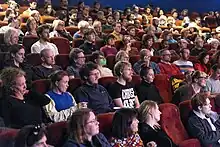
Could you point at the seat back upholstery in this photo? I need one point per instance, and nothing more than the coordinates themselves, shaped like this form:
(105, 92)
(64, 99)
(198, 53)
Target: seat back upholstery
(162, 83)
(171, 123)
(105, 123)
(7, 137)
(62, 60)
(41, 86)
(57, 133)
(33, 59)
(28, 41)
(62, 44)
(107, 81)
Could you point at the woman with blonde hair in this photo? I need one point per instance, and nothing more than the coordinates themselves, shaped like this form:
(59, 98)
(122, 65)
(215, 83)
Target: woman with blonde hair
(149, 129)
(59, 30)
(122, 56)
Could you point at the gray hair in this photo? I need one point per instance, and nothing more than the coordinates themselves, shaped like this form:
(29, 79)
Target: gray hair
(8, 34)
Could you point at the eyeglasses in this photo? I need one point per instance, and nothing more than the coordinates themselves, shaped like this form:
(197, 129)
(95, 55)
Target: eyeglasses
(93, 121)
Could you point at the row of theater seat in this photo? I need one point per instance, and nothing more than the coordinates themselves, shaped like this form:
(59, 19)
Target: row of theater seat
(162, 81)
(170, 122)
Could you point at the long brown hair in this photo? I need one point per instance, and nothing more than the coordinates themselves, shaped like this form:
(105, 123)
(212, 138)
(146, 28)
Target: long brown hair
(77, 124)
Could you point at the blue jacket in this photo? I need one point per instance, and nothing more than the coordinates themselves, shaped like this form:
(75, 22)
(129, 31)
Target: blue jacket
(97, 141)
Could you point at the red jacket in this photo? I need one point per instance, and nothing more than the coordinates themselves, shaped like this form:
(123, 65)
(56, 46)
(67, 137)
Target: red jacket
(169, 69)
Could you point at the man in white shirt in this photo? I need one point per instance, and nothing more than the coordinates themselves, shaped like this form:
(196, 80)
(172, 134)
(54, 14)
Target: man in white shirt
(43, 33)
(183, 63)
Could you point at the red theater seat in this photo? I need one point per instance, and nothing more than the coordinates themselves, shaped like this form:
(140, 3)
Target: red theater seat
(136, 80)
(41, 86)
(105, 123)
(134, 59)
(137, 44)
(77, 42)
(162, 83)
(28, 41)
(62, 44)
(7, 137)
(172, 125)
(62, 60)
(33, 59)
(110, 61)
(106, 81)
(72, 29)
(74, 84)
(155, 59)
(56, 133)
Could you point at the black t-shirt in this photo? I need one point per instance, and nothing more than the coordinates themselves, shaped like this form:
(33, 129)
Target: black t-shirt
(126, 92)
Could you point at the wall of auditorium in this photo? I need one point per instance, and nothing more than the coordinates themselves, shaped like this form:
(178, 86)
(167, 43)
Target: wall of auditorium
(192, 5)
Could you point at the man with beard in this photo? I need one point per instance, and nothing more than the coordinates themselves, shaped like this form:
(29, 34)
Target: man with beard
(186, 92)
(43, 43)
(183, 63)
(123, 91)
(63, 13)
(91, 94)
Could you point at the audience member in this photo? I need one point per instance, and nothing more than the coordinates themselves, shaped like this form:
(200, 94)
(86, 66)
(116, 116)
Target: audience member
(203, 64)
(183, 63)
(186, 92)
(198, 47)
(203, 123)
(62, 12)
(147, 43)
(88, 46)
(145, 56)
(48, 65)
(36, 15)
(126, 46)
(213, 83)
(9, 13)
(97, 25)
(147, 90)
(59, 30)
(49, 11)
(31, 26)
(31, 136)
(20, 107)
(11, 37)
(165, 66)
(92, 94)
(84, 130)
(62, 103)
(109, 48)
(17, 60)
(99, 59)
(43, 43)
(117, 31)
(82, 26)
(32, 6)
(77, 60)
(125, 134)
(149, 130)
(122, 56)
(123, 91)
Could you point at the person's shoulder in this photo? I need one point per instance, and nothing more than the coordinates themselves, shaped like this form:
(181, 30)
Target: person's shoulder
(71, 143)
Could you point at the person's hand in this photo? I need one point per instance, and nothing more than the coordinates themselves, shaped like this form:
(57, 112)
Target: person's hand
(151, 144)
(156, 126)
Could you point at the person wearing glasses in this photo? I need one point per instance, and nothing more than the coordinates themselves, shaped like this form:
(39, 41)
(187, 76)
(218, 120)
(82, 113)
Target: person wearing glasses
(31, 136)
(77, 60)
(165, 66)
(62, 103)
(84, 130)
(186, 92)
(199, 42)
(145, 56)
(92, 94)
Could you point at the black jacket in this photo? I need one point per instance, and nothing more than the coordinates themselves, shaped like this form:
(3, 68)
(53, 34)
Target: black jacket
(200, 129)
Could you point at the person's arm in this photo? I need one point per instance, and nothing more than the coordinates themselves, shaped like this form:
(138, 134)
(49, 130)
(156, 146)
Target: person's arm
(56, 116)
(197, 129)
(137, 104)
(118, 102)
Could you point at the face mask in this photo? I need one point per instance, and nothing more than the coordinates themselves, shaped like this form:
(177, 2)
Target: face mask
(102, 62)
